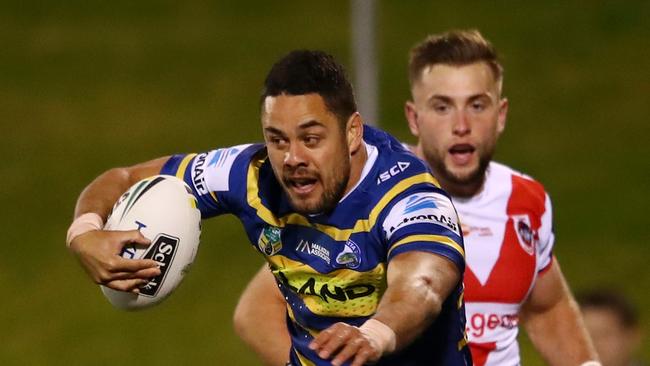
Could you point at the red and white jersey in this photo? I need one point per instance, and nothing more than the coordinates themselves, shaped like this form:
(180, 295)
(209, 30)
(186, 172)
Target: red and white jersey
(508, 236)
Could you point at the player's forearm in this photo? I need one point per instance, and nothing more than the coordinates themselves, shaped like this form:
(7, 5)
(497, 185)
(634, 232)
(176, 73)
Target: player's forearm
(559, 334)
(415, 294)
(265, 332)
(100, 195)
(408, 311)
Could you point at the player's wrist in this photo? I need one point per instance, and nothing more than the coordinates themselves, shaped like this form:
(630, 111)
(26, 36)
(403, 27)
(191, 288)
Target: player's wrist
(591, 363)
(380, 334)
(84, 223)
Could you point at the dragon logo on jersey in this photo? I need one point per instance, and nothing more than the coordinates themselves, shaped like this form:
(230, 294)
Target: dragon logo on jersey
(269, 241)
(350, 256)
(526, 235)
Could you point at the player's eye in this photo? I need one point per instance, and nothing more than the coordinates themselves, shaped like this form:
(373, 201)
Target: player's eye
(478, 106)
(277, 142)
(441, 108)
(311, 141)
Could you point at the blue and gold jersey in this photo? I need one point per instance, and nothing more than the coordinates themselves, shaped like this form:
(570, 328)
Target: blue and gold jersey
(332, 267)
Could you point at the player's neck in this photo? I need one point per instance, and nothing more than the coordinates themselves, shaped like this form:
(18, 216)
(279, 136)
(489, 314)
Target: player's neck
(358, 160)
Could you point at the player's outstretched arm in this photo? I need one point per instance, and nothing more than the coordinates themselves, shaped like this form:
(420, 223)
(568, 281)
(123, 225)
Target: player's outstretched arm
(417, 285)
(263, 328)
(553, 321)
(97, 250)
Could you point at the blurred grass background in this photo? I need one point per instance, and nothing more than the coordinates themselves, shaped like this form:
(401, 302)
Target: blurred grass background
(88, 85)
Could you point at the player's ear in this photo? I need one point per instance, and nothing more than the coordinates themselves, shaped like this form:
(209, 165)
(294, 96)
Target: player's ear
(354, 132)
(412, 117)
(503, 113)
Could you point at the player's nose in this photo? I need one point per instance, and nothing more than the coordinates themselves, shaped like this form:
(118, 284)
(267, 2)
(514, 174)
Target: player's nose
(461, 125)
(295, 156)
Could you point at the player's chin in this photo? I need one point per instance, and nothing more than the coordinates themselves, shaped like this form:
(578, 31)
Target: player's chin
(307, 208)
(466, 174)
(306, 205)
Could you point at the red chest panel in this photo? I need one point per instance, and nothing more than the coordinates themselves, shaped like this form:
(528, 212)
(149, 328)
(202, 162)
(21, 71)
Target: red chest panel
(515, 270)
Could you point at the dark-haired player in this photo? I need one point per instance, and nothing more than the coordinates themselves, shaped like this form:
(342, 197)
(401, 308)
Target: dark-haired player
(363, 244)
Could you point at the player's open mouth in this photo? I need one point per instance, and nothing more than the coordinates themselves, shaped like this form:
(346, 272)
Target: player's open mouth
(301, 186)
(461, 153)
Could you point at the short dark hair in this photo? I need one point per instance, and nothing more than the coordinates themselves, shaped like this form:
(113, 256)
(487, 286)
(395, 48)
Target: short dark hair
(456, 48)
(304, 72)
(612, 300)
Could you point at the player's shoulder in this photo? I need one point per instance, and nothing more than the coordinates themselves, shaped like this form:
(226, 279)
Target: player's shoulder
(210, 170)
(522, 185)
(395, 162)
(500, 170)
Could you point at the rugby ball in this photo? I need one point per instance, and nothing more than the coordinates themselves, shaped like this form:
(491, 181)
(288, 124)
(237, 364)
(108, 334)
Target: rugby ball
(165, 211)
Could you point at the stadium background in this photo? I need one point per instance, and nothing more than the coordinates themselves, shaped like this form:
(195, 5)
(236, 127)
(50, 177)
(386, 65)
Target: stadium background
(88, 85)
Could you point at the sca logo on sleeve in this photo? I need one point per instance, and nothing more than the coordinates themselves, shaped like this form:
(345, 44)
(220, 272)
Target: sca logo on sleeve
(393, 171)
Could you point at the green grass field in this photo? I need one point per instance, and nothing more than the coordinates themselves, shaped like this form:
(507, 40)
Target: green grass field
(85, 86)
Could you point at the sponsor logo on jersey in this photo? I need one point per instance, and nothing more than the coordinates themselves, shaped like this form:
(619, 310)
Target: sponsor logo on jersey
(314, 249)
(476, 230)
(438, 219)
(421, 208)
(416, 203)
(393, 171)
(269, 241)
(479, 323)
(527, 237)
(162, 250)
(219, 165)
(326, 292)
(350, 256)
(221, 156)
(198, 176)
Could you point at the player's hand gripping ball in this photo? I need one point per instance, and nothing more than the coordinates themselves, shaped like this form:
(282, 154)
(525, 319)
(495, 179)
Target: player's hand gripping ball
(163, 208)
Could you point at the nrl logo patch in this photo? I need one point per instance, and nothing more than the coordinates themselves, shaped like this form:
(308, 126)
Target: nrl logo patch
(526, 235)
(350, 256)
(269, 241)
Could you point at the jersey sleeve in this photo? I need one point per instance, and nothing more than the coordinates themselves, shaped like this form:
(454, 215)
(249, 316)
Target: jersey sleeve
(425, 221)
(546, 237)
(216, 177)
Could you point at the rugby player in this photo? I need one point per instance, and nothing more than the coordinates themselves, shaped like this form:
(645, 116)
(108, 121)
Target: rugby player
(364, 246)
(457, 112)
